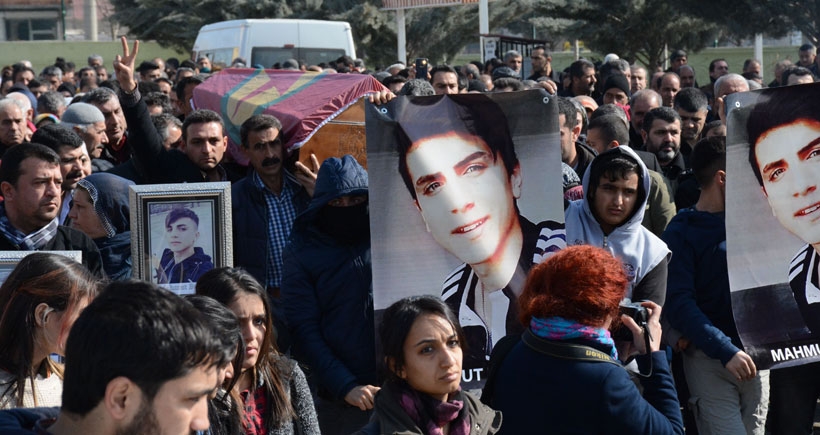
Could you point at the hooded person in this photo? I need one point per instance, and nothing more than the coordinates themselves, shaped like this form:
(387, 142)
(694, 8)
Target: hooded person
(101, 210)
(327, 295)
(610, 216)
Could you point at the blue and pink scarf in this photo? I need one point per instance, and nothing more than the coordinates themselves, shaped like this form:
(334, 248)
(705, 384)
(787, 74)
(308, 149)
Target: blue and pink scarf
(561, 329)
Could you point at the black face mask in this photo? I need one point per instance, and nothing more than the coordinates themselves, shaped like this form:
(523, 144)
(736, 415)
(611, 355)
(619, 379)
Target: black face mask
(345, 224)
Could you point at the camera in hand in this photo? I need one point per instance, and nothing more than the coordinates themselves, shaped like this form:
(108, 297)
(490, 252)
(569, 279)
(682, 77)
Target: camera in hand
(638, 313)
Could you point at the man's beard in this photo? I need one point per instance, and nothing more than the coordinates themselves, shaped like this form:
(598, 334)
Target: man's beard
(665, 156)
(144, 422)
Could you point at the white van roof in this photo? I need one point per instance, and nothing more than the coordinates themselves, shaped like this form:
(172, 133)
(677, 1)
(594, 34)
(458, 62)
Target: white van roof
(237, 23)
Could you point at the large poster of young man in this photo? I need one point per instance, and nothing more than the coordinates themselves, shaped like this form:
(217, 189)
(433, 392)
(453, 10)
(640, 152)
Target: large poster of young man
(465, 196)
(773, 223)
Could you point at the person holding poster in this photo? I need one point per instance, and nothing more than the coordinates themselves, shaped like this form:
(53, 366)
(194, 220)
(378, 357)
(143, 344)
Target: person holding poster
(784, 147)
(610, 216)
(463, 174)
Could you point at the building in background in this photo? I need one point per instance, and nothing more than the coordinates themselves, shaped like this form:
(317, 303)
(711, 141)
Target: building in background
(37, 20)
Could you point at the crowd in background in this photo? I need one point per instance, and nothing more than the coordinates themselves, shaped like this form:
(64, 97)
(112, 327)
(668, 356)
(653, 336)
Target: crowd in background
(286, 342)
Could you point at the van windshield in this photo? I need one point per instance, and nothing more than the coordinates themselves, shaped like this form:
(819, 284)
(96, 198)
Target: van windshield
(267, 56)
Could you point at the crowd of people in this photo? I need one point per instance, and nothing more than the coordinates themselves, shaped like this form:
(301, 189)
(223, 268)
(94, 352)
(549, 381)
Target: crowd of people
(286, 342)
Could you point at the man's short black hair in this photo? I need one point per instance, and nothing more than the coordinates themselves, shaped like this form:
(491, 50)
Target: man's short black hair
(772, 111)
(610, 128)
(163, 121)
(807, 47)
(714, 62)
(139, 331)
(748, 62)
(441, 68)
(14, 156)
(797, 71)
(201, 116)
(180, 88)
(708, 157)
(164, 80)
(578, 68)
(19, 68)
(462, 82)
(159, 99)
(566, 108)
(178, 213)
(710, 125)
(691, 100)
(147, 65)
(146, 87)
(508, 82)
(56, 136)
(663, 113)
(258, 123)
(346, 61)
(389, 80)
(477, 114)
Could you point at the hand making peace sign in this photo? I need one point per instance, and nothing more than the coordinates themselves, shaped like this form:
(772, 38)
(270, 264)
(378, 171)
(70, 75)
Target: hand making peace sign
(124, 65)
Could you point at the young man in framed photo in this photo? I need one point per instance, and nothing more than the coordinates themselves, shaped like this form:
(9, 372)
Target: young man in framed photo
(182, 261)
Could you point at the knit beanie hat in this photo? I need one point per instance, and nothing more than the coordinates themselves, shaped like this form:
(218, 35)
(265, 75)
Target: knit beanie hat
(82, 114)
(617, 81)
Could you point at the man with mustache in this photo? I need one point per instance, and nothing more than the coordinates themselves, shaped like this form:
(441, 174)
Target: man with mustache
(74, 161)
(31, 184)
(265, 204)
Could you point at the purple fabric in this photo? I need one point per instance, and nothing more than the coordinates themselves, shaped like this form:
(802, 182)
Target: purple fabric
(431, 415)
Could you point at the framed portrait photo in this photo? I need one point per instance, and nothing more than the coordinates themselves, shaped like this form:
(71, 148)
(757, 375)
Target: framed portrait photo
(179, 232)
(9, 260)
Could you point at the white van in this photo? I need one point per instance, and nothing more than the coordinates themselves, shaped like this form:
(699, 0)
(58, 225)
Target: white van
(269, 41)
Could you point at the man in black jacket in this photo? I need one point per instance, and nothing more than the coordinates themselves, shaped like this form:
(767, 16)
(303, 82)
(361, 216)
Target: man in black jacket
(204, 139)
(30, 181)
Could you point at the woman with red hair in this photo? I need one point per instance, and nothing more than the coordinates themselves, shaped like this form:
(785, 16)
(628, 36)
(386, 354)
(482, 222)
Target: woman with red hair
(565, 375)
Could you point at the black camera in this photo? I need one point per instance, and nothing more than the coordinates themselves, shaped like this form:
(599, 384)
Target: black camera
(422, 68)
(638, 313)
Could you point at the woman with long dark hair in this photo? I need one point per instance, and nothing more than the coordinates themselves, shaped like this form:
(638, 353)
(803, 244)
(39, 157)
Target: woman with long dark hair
(422, 345)
(39, 301)
(272, 388)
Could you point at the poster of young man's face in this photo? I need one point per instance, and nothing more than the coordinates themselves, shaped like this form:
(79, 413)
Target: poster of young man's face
(773, 222)
(468, 190)
(181, 243)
